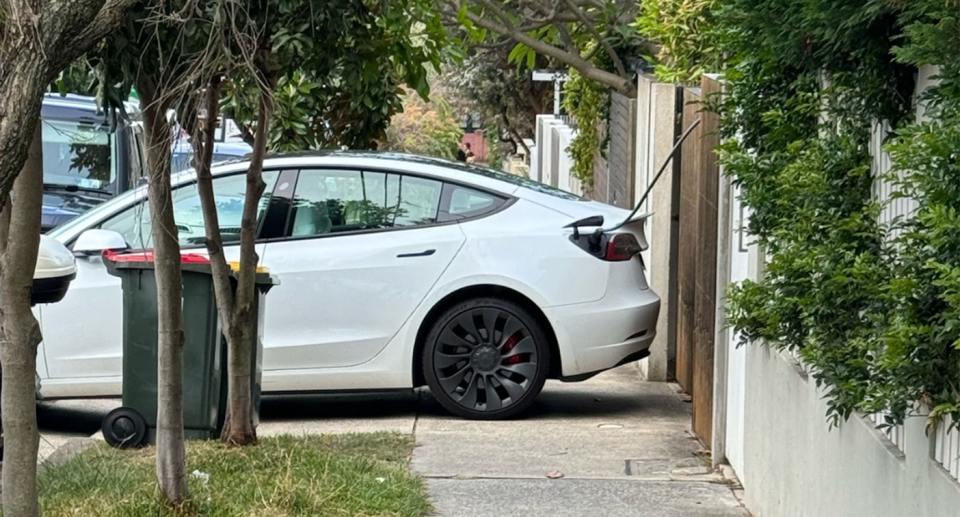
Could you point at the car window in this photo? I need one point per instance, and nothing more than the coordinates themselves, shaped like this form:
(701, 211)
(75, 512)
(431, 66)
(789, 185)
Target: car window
(333, 201)
(135, 226)
(466, 202)
(478, 170)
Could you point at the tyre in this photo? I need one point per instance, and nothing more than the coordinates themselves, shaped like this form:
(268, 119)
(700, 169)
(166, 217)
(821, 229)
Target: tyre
(124, 428)
(486, 359)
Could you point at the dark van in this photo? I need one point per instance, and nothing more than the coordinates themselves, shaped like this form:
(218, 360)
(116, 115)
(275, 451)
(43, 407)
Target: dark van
(84, 162)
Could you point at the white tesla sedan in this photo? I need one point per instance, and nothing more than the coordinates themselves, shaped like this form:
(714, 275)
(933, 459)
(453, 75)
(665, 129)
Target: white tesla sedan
(396, 271)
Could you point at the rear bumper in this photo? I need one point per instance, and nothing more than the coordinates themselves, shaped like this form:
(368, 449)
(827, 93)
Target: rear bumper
(597, 336)
(632, 358)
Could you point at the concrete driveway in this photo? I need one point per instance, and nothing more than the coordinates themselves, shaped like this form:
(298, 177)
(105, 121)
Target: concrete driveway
(621, 445)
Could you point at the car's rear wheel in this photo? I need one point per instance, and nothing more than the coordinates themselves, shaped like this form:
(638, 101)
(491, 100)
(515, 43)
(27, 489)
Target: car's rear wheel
(486, 358)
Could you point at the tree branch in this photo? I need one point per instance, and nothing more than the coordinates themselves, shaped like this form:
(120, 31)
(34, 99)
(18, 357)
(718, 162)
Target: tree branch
(517, 139)
(566, 38)
(601, 41)
(574, 60)
(495, 45)
(111, 14)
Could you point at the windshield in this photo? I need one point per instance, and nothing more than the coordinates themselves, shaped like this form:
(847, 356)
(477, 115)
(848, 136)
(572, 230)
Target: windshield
(484, 171)
(79, 154)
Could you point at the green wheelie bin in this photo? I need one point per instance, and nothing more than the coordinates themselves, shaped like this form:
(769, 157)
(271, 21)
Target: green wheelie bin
(204, 352)
(263, 282)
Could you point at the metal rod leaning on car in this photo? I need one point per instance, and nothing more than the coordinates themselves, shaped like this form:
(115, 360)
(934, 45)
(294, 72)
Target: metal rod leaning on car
(673, 152)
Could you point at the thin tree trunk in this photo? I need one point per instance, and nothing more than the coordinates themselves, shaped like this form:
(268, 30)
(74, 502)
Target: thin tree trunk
(202, 141)
(5, 215)
(515, 137)
(238, 428)
(21, 90)
(21, 335)
(171, 462)
(238, 425)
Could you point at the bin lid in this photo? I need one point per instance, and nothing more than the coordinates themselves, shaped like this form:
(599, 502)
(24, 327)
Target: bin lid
(190, 262)
(235, 267)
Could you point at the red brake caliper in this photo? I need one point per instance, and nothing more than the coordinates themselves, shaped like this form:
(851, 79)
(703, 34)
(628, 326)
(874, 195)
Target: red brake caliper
(512, 342)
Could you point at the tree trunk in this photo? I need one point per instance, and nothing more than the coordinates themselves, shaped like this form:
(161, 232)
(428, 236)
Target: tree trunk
(202, 140)
(20, 337)
(21, 91)
(38, 40)
(171, 463)
(238, 428)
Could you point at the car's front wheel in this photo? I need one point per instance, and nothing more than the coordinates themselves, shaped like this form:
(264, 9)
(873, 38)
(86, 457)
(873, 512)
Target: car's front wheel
(486, 358)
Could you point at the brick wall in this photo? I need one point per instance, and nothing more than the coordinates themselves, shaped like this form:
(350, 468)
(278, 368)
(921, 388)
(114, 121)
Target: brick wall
(478, 144)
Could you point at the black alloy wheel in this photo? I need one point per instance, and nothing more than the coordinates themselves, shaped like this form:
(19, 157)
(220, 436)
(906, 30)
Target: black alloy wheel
(486, 359)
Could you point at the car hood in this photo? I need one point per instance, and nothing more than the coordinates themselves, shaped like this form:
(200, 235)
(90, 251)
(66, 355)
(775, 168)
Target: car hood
(60, 206)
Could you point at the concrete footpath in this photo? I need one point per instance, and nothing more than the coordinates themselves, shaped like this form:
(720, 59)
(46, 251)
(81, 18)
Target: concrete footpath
(617, 445)
(620, 444)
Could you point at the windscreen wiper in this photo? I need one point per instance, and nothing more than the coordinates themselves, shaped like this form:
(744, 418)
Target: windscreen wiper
(75, 188)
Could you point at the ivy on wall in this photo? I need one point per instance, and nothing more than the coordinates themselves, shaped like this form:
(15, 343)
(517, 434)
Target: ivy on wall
(587, 102)
(873, 309)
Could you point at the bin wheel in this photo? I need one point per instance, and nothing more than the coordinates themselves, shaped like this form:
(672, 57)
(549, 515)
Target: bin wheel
(124, 428)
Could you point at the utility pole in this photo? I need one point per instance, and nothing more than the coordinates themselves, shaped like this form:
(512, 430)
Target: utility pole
(557, 78)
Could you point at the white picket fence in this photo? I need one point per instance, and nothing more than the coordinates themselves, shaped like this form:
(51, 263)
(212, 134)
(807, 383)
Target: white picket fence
(895, 433)
(947, 448)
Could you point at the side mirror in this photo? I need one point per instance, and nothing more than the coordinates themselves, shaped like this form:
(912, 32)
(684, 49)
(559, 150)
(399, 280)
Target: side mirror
(94, 242)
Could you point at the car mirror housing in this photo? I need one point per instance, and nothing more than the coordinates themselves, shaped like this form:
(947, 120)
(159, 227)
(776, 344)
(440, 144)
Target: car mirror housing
(94, 242)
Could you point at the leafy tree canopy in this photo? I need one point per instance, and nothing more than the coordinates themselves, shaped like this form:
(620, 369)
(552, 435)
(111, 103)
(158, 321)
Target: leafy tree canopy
(425, 128)
(339, 66)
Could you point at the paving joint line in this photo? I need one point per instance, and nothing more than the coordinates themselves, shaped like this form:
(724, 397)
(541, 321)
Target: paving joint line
(658, 479)
(416, 414)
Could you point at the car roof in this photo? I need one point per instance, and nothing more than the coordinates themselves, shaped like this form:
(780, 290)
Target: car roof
(368, 160)
(443, 170)
(430, 166)
(78, 107)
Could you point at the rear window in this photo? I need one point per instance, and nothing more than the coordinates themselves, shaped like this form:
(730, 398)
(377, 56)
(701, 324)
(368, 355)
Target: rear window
(521, 181)
(465, 203)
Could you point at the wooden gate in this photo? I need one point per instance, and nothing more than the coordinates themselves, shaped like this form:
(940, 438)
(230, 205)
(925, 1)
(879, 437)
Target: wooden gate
(697, 257)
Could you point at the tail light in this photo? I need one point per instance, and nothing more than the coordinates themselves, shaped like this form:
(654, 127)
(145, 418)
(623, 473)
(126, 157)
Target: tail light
(621, 247)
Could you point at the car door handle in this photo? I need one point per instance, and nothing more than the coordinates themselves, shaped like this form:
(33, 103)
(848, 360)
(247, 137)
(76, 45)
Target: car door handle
(425, 253)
